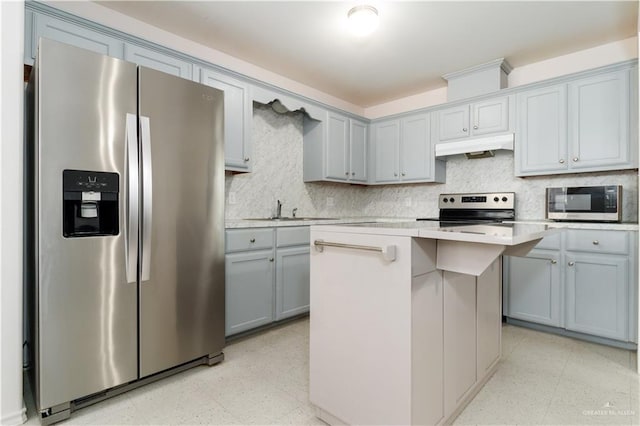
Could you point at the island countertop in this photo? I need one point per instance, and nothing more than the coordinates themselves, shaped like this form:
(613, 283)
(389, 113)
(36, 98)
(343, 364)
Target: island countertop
(507, 234)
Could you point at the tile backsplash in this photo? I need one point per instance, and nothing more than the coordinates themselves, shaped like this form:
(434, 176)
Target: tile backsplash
(277, 175)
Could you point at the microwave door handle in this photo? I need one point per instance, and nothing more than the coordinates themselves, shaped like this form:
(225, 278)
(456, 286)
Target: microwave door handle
(132, 199)
(147, 198)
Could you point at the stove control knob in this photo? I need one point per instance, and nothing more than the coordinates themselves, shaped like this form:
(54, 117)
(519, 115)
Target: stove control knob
(445, 200)
(504, 199)
(496, 199)
(452, 199)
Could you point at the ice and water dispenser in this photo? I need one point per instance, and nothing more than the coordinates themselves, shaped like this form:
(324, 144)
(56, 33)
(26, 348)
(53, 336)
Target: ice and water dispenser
(90, 203)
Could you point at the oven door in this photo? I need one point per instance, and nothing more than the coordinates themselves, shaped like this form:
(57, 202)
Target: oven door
(585, 203)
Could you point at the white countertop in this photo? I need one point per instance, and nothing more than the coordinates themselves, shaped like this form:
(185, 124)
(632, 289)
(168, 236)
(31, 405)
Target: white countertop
(247, 223)
(502, 234)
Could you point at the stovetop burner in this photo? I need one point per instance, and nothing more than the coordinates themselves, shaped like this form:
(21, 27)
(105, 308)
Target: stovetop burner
(474, 208)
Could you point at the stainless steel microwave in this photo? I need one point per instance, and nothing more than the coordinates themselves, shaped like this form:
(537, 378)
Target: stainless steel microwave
(585, 203)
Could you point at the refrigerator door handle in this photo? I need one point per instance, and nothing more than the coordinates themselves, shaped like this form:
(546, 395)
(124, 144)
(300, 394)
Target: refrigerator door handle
(147, 198)
(131, 228)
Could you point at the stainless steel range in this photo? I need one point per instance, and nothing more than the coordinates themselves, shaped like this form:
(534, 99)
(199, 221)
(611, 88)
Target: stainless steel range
(493, 207)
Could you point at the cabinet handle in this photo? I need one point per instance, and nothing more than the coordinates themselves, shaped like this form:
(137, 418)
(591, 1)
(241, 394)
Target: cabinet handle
(464, 129)
(596, 242)
(553, 261)
(253, 240)
(475, 127)
(246, 159)
(575, 159)
(346, 173)
(572, 263)
(561, 161)
(395, 174)
(271, 259)
(353, 173)
(403, 174)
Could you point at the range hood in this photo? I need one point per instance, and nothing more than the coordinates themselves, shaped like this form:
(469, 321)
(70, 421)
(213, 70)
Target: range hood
(477, 147)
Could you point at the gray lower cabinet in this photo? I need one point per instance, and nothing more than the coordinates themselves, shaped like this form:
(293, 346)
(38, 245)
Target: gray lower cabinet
(249, 290)
(583, 281)
(267, 276)
(597, 294)
(534, 287)
(292, 281)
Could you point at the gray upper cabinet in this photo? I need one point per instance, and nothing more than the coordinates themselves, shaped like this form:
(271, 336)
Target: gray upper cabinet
(238, 117)
(599, 122)
(386, 141)
(39, 25)
(586, 125)
(541, 135)
(402, 151)
(335, 149)
(416, 157)
(358, 151)
(158, 61)
(476, 119)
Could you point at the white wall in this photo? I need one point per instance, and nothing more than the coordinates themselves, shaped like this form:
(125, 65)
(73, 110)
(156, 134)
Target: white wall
(605, 54)
(11, 110)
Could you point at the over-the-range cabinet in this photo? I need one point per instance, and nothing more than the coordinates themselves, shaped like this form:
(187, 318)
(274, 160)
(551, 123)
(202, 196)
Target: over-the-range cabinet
(126, 225)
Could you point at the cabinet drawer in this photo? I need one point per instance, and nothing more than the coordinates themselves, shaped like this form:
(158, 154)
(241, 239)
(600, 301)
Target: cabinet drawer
(597, 241)
(551, 242)
(293, 236)
(248, 239)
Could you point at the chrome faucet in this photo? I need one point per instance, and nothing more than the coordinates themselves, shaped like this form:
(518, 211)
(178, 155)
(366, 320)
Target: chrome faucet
(279, 210)
(294, 211)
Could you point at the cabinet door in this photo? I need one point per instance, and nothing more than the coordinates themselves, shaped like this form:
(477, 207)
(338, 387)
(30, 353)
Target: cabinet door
(597, 295)
(459, 337)
(541, 135)
(454, 123)
(337, 147)
(358, 151)
(249, 283)
(75, 35)
(533, 287)
(238, 113)
(158, 61)
(489, 318)
(387, 145)
(292, 281)
(416, 157)
(599, 121)
(491, 116)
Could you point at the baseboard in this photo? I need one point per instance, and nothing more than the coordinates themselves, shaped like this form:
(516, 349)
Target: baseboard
(15, 418)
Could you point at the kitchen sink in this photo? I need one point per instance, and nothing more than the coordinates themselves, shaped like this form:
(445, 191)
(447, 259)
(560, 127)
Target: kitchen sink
(279, 219)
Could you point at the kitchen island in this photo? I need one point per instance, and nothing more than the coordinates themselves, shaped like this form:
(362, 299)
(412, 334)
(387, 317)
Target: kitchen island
(406, 317)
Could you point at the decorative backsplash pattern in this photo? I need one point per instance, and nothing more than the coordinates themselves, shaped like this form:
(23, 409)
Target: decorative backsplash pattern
(277, 175)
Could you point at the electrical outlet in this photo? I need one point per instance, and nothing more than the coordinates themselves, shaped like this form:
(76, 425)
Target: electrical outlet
(330, 202)
(407, 202)
(232, 197)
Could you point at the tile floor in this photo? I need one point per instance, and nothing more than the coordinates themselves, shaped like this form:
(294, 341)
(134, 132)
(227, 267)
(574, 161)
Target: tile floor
(542, 379)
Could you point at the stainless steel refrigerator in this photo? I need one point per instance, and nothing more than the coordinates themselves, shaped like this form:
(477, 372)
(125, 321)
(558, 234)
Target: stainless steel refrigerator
(126, 235)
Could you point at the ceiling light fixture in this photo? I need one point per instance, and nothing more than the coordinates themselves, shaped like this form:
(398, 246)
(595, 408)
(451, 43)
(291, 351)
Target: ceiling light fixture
(363, 20)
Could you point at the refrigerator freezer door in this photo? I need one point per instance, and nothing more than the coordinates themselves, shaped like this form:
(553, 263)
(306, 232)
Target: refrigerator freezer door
(86, 323)
(182, 298)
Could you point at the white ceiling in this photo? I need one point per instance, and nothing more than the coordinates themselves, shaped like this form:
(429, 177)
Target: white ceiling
(415, 44)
